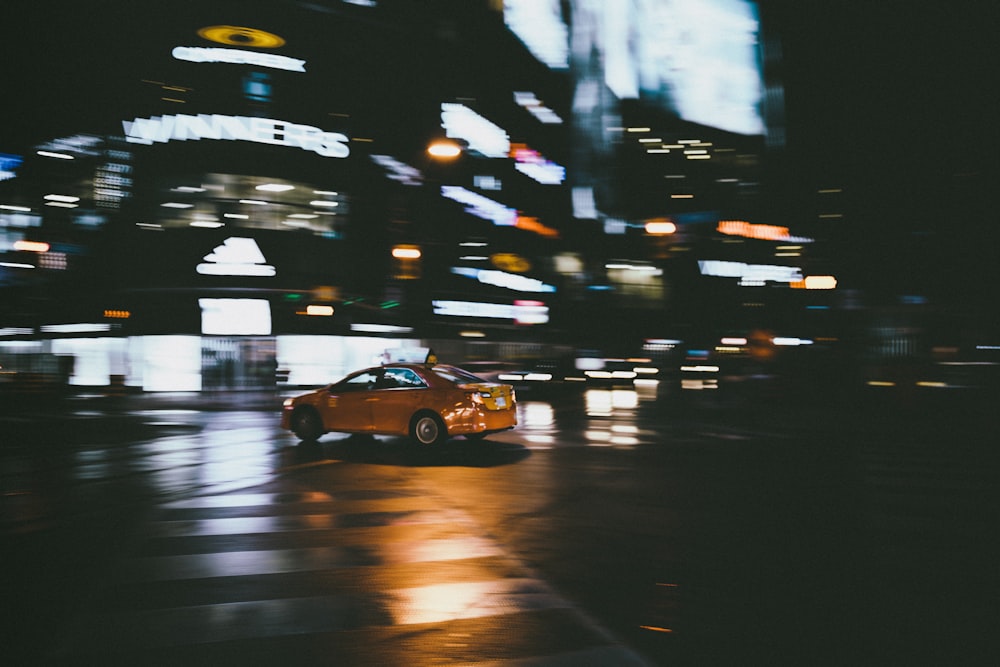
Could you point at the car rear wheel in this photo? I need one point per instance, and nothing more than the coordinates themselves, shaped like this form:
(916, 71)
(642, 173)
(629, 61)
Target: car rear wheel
(306, 424)
(427, 429)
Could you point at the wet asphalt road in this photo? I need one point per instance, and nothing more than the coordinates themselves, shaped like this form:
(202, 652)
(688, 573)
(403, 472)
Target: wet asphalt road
(608, 528)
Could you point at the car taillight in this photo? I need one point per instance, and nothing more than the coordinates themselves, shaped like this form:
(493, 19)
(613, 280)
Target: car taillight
(477, 397)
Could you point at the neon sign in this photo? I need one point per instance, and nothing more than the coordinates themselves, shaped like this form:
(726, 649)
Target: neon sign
(184, 127)
(201, 54)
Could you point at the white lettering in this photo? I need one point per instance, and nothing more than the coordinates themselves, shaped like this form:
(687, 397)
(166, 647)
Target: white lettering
(334, 144)
(183, 127)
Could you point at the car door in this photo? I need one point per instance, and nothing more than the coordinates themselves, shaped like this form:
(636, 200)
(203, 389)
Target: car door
(348, 403)
(398, 397)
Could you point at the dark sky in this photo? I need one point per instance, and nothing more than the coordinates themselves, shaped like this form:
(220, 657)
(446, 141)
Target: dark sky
(917, 78)
(901, 91)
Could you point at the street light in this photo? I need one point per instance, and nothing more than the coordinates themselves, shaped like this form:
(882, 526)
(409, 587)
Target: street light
(444, 149)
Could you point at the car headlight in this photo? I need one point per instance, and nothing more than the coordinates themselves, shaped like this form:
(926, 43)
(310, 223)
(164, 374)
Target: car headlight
(289, 402)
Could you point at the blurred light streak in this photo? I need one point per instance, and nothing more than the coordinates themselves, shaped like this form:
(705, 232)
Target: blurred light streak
(700, 385)
(660, 227)
(534, 415)
(76, 328)
(379, 328)
(61, 156)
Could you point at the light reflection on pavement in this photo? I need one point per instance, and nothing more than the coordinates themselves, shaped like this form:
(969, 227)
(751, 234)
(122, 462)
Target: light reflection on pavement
(184, 451)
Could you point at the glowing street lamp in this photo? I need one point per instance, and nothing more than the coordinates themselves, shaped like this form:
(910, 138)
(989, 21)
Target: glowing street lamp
(444, 149)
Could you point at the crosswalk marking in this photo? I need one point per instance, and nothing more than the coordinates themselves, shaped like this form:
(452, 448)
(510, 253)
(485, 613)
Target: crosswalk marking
(230, 571)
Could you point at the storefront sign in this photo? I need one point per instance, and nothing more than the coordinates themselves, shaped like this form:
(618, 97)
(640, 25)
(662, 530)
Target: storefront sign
(183, 127)
(200, 54)
(236, 257)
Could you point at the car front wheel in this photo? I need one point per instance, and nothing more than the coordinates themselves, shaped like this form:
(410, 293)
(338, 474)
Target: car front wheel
(427, 429)
(306, 424)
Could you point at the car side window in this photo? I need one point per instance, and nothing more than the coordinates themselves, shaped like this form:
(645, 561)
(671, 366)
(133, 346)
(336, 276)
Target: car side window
(360, 382)
(404, 378)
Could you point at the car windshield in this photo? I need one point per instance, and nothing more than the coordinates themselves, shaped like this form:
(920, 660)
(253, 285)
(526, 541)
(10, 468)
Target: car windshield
(457, 375)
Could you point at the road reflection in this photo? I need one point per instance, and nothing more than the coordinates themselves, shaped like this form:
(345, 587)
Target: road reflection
(181, 451)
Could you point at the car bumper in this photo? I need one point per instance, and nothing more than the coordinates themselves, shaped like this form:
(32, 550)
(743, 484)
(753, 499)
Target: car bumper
(485, 421)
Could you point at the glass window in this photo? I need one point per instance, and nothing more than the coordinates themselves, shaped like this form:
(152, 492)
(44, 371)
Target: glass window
(358, 382)
(457, 375)
(403, 377)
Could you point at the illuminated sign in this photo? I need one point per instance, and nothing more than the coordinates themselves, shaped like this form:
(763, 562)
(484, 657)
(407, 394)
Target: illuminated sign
(525, 312)
(480, 206)
(759, 232)
(236, 257)
(8, 163)
(509, 261)
(532, 164)
(239, 36)
(201, 54)
(235, 317)
(750, 274)
(539, 25)
(503, 279)
(482, 136)
(183, 127)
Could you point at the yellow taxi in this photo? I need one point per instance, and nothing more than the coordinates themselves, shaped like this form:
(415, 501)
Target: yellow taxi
(427, 402)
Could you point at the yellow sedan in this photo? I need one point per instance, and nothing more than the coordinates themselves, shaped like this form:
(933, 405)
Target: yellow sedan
(429, 403)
